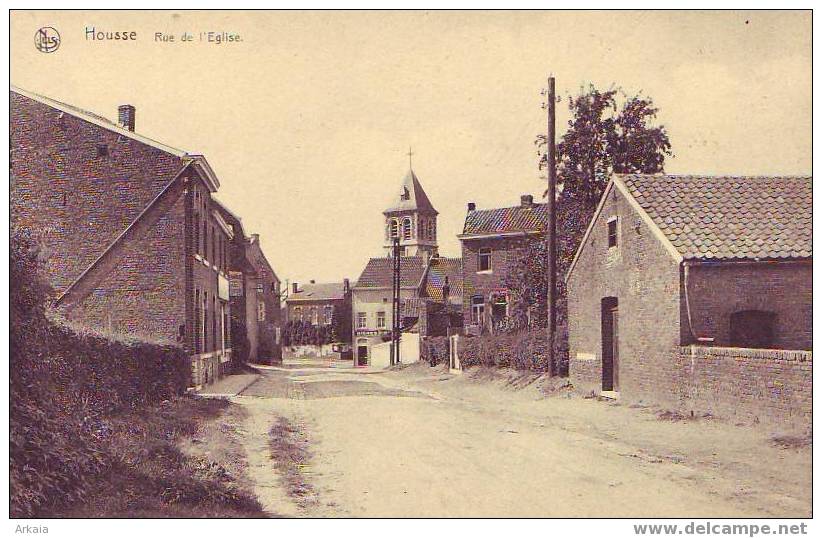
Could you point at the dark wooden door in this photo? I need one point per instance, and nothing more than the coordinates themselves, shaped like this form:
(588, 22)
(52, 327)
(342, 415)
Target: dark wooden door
(362, 355)
(610, 345)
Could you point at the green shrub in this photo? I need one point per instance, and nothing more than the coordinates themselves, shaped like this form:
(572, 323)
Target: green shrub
(526, 350)
(62, 385)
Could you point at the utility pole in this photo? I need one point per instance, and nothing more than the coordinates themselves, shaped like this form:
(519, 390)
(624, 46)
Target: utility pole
(395, 310)
(552, 223)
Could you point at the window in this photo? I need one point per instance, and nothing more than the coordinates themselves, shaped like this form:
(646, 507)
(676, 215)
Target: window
(329, 314)
(752, 328)
(261, 311)
(478, 310)
(394, 228)
(381, 320)
(197, 232)
(612, 233)
(205, 321)
(259, 287)
(102, 150)
(406, 228)
(314, 316)
(198, 324)
(298, 313)
(361, 320)
(484, 262)
(431, 232)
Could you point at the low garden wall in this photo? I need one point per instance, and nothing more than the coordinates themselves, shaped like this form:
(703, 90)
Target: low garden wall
(759, 385)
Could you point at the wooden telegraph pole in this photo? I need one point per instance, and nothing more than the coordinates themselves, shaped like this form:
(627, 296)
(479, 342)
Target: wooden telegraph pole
(552, 223)
(396, 307)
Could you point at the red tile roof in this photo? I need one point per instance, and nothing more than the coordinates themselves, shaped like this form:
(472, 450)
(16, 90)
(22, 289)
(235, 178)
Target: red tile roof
(728, 217)
(378, 273)
(506, 220)
(435, 280)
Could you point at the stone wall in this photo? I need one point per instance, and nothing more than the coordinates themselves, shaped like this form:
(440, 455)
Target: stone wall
(747, 385)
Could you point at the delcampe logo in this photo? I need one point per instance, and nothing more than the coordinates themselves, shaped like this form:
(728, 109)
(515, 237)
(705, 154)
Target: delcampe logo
(47, 39)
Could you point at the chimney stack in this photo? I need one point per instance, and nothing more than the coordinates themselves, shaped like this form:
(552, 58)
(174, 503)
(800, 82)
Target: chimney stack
(294, 288)
(472, 206)
(126, 116)
(311, 281)
(346, 286)
(526, 200)
(446, 290)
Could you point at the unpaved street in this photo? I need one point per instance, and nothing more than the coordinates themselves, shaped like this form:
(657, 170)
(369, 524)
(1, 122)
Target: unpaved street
(420, 442)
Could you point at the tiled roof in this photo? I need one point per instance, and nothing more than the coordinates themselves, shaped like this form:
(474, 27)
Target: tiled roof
(723, 217)
(435, 280)
(411, 196)
(412, 306)
(379, 272)
(327, 291)
(533, 218)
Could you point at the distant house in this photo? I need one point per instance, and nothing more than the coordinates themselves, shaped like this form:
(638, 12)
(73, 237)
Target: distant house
(134, 244)
(315, 303)
(254, 291)
(430, 285)
(708, 262)
(492, 241)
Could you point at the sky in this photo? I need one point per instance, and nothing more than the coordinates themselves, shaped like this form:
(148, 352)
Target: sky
(308, 118)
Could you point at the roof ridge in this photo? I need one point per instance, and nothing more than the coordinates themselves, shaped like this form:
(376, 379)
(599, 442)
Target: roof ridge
(96, 119)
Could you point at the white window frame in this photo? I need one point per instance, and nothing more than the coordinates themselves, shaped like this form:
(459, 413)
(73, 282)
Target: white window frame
(483, 252)
(478, 310)
(362, 320)
(381, 320)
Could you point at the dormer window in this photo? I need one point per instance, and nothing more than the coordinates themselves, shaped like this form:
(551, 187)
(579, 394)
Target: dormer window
(406, 195)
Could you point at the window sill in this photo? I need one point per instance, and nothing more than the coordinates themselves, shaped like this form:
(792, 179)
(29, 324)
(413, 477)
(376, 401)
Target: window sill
(486, 272)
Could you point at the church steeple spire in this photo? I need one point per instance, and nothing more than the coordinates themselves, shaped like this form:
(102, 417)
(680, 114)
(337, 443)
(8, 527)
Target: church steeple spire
(412, 218)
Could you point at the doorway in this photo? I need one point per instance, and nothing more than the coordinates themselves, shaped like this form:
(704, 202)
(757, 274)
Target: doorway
(362, 355)
(610, 344)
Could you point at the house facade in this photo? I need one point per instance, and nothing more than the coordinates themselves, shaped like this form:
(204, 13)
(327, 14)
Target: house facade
(673, 268)
(318, 304)
(493, 241)
(132, 241)
(430, 285)
(254, 290)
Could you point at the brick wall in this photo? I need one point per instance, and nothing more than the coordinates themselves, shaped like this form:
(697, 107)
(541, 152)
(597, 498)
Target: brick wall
(645, 280)
(58, 181)
(505, 252)
(784, 288)
(757, 385)
(143, 294)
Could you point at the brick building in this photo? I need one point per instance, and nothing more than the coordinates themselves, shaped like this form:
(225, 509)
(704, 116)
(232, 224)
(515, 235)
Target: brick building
(316, 302)
(430, 286)
(675, 270)
(492, 242)
(254, 290)
(133, 242)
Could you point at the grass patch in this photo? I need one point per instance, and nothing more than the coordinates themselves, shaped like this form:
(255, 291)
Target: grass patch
(149, 476)
(289, 451)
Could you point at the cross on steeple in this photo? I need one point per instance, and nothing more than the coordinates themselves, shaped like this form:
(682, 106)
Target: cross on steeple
(410, 153)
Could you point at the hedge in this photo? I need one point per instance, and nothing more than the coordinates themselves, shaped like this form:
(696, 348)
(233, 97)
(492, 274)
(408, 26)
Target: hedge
(525, 350)
(63, 384)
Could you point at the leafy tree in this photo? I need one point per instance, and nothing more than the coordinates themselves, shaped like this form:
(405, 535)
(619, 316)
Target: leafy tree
(341, 324)
(609, 132)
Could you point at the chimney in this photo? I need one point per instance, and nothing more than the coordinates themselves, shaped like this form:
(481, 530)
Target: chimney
(526, 200)
(446, 290)
(472, 206)
(125, 116)
(294, 288)
(346, 286)
(311, 281)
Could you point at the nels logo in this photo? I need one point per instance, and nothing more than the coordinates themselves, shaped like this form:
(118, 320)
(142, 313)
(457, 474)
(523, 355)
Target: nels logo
(47, 39)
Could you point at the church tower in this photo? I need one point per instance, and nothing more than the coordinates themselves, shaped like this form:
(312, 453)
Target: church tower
(413, 219)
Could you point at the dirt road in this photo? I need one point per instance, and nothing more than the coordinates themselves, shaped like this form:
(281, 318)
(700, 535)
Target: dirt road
(420, 442)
